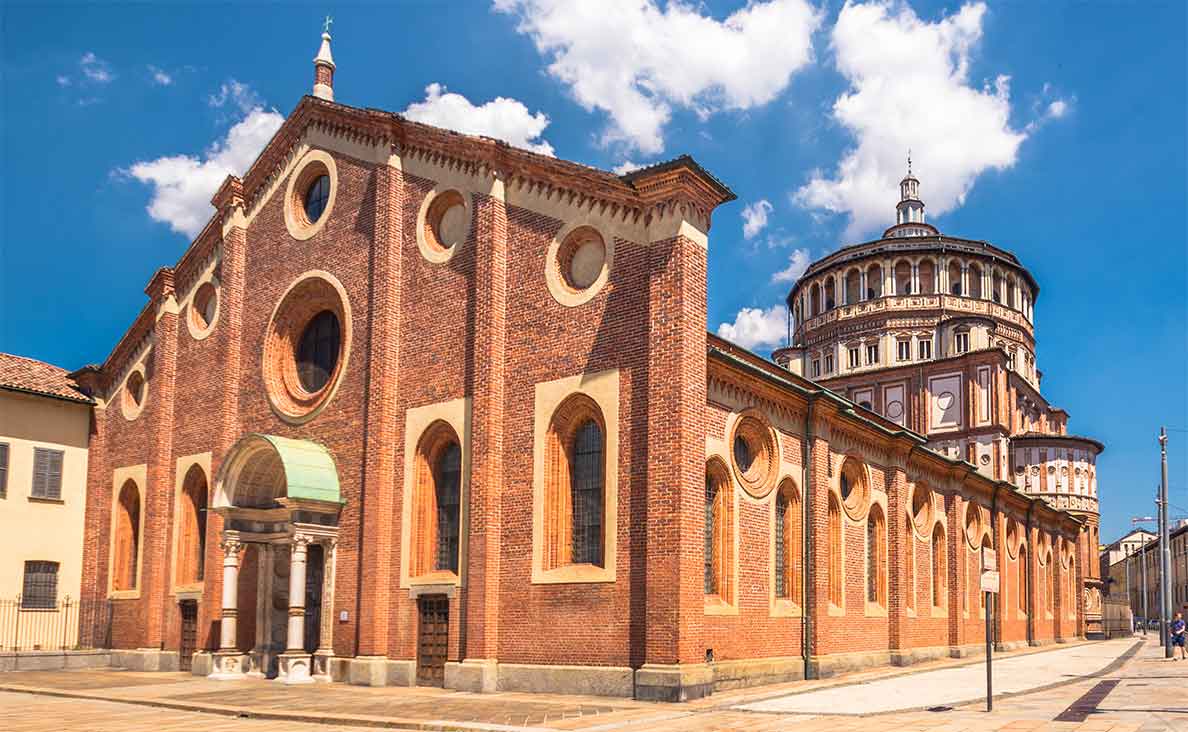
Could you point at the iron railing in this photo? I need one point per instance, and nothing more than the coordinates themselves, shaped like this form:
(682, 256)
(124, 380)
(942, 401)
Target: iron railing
(67, 624)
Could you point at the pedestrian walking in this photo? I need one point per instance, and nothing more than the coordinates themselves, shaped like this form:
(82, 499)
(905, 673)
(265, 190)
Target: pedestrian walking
(1177, 639)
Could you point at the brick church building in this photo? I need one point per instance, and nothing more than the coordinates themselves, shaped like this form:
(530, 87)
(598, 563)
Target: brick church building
(418, 407)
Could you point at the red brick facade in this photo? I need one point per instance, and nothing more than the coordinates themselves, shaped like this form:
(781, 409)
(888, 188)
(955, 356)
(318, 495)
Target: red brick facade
(483, 326)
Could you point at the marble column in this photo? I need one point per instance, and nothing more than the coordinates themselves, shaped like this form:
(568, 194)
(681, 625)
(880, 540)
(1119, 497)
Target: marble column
(229, 662)
(295, 662)
(325, 650)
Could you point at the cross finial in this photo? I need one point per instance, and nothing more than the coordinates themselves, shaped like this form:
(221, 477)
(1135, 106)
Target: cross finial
(909, 161)
(326, 24)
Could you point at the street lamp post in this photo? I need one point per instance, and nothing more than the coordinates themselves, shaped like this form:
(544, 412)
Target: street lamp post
(1164, 551)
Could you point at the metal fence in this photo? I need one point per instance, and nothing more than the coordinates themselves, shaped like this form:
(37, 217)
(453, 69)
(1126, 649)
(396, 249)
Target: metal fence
(68, 624)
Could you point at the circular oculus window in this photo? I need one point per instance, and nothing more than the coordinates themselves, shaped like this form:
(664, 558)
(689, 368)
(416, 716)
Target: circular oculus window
(922, 508)
(134, 394)
(755, 453)
(973, 526)
(443, 224)
(203, 310)
(578, 264)
(854, 489)
(306, 347)
(309, 198)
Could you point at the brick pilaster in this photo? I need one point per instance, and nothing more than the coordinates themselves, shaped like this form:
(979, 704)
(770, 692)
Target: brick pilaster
(96, 539)
(676, 392)
(383, 427)
(899, 543)
(487, 387)
(955, 567)
(232, 289)
(158, 521)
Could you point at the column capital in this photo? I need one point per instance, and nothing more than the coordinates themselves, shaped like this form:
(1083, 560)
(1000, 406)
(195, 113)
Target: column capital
(231, 544)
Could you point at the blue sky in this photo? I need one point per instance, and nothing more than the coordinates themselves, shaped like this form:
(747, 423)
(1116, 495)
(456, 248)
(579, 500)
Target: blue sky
(1055, 130)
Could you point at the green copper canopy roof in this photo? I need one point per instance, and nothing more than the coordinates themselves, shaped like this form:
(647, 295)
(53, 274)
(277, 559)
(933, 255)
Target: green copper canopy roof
(309, 469)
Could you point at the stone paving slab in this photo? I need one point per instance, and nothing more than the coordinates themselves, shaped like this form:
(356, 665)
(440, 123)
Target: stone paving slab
(951, 686)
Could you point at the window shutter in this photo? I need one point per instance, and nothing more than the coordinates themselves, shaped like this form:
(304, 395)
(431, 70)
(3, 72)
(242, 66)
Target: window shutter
(39, 472)
(3, 470)
(54, 477)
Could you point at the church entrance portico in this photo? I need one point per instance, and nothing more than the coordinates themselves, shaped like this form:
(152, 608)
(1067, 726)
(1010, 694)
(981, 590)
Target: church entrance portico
(281, 495)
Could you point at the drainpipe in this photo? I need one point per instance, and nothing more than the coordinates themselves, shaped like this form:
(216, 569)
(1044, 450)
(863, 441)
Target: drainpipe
(806, 539)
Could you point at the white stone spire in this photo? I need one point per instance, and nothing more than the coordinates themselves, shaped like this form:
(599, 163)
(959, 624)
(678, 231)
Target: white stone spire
(324, 67)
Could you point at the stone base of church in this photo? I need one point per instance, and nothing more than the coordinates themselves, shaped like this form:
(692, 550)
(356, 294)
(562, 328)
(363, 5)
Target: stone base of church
(822, 667)
(673, 682)
(473, 674)
(202, 663)
(1010, 646)
(373, 671)
(557, 679)
(757, 672)
(912, 656)
(145, 659)
(295, 667)
(229, 665)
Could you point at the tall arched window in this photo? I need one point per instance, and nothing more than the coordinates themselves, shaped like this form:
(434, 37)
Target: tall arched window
(436, 502)
(909, 569)
(955, 277)
(874, 282)
(974, 274)
(575, 499)
(939, 567)
(876, 557)
(903, 278)
(787, 542)
(996, 285)
(814, 300)
(830, 294)
(127, 539)
(834, 520)
(1021, 579)
(586, 488)
(448, 492)
(853, 286)
(926, 273)
(719, 532)
(191, 545)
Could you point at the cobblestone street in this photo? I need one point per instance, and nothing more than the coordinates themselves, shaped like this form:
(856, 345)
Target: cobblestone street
(1103, 689)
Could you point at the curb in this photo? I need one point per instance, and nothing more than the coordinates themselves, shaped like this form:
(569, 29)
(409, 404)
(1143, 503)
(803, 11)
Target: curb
(1114, 665)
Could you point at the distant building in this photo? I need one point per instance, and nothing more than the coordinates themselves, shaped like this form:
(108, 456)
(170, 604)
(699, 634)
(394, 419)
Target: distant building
(1111, 554)
(1136, 571)
(45, 423)
(937, 333)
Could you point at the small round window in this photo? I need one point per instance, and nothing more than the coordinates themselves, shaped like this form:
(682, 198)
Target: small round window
(316, 198)
(743, 456)
(582, 256)
(317, 351)
(204, 308)
(133, 396)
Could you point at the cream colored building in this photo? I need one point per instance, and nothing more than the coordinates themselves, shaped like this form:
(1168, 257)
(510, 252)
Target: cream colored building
(44, 429)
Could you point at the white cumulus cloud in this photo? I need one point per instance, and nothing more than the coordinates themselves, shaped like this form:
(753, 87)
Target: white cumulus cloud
(910, 89)
(95, 68)
(501, 118)
(636, 60)
(182, 185)
(755, 327)
(798, 262)
(626, 167)
(754, 216)
(159, 76)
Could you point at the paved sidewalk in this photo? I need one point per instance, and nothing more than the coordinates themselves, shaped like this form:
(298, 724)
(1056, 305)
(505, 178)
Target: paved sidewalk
(952, 686)
(1144, 696)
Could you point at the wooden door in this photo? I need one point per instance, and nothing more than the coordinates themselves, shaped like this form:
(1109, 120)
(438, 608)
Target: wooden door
(432, 637)
(189, 634)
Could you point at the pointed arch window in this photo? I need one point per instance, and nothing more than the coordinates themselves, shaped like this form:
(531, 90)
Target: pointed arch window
(575, 499)
(834, 521)
(191, 547)
(437, 502)
(719, 533)
(126, 554)
(876, 557)
(787, 543)
(939, 567)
